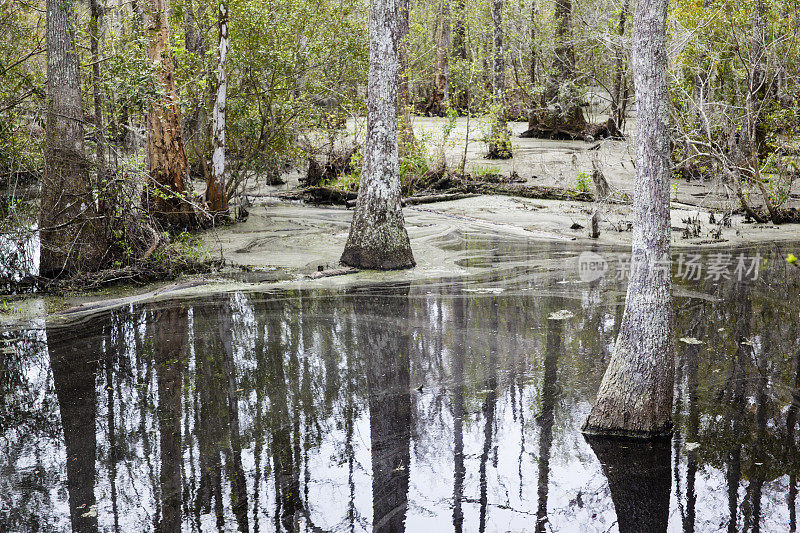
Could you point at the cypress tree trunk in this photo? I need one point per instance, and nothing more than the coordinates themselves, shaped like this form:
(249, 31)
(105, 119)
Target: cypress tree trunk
(499, 144)
(72, 233)
(406, 131)
(460, 99)
(635, 396)
(619, 98)
(168, 163)
(460, 31)
(96, 12)
(561, 116)
(378, 238)
(564, 60)
(442, 67)
(534, 48)
(216, 193)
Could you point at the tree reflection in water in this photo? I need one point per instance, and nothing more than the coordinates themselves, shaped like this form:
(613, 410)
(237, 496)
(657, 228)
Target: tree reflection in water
(300, 411)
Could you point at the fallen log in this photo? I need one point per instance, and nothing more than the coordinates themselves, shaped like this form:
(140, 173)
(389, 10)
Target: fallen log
(536, 192)
(427, 198)
(333, 272)
(461, 189)
(319, 195)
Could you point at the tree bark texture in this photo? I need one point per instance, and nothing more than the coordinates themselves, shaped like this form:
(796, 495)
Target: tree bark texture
(564, 60)
(166, 151)
(378, 238)
(635, 396)
(72, 232)
(216, 193)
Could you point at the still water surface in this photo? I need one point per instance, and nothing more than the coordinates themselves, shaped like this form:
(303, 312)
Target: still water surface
(445, 405)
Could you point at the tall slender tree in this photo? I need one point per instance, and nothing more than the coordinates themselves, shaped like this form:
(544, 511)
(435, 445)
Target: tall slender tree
(72, 233)
(216, 193)
(378, 238)
(635, 396)
(619, 95)
(404, 102)
(441, 76)
(499, 143)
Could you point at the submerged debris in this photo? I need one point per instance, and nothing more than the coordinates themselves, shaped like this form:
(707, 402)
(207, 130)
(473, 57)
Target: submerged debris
(564, 314)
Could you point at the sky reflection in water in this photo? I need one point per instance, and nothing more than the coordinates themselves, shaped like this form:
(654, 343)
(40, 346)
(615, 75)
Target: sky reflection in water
(452, 405)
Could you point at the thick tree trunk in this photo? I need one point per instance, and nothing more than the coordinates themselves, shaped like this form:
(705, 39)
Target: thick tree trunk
(72, 233)
(561, 115)
(378, 238)
(96, 13)
(216, 193)
(635, 396)
(168, 164)
(441, 94)
(499, 143)
(564, 60)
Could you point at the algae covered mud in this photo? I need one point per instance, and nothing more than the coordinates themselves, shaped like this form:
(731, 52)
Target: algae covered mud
(449, 404)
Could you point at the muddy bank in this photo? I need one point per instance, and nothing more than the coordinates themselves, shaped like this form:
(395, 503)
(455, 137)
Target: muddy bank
(282, 243)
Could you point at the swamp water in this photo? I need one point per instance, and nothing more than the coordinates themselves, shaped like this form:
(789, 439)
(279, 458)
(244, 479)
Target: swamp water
(435, 406)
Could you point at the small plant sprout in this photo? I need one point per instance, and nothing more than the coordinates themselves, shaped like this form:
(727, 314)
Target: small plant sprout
(583, 182)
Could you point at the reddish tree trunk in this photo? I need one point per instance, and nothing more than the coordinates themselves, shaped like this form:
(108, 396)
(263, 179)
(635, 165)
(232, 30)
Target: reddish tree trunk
(168, 164)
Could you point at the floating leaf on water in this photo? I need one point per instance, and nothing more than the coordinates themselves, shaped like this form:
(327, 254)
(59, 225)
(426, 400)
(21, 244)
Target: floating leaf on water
(691, 340)
(561, 315)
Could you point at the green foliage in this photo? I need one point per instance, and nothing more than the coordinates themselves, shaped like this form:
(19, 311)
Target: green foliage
(583, 182)
(413, 160)
(481, 171)
(497, 134)
(22, 89)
